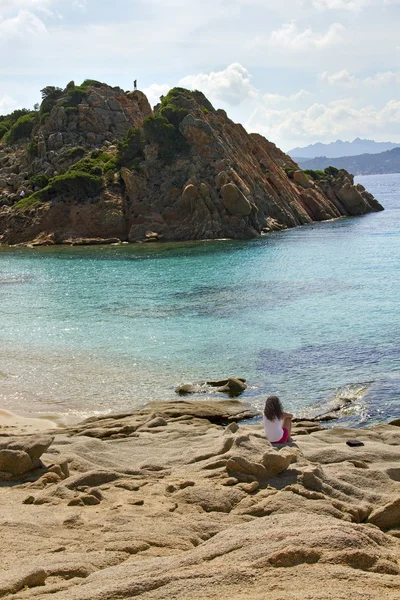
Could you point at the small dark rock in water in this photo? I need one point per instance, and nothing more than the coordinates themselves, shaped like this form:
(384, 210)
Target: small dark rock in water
(222, 382)
(234, 386)
(189, 388)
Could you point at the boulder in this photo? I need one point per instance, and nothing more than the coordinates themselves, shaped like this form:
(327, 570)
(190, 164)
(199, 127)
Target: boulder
(22, 454)
(234, 200)
(386, 517)
(353, 200)
(301, 179)
(233, 387)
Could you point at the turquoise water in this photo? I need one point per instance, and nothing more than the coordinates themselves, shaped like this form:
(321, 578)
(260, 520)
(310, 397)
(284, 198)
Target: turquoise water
(302, 313)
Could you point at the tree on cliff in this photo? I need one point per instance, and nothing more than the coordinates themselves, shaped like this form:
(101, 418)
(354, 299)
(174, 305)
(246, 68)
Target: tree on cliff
(50, 92)
(50, 95)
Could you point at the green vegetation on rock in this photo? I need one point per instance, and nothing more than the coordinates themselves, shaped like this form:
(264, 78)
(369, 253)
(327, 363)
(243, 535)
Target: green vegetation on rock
(22, 128)
(315, 175)
(7, 121)
(83, 180)
(50, 95)
(130, 149)
(289, 170)
(3, 129)
(76, 183)
(333, 171)
(159, 130)
(29, 202)
(74, 153)
(39, 180)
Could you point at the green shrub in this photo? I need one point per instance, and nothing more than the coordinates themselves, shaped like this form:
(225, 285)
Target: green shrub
(32, 149)
(7, 121)
(3, 129)
(93, 166)
(170, 142)
(43, 117)
(74, 153)
(50, 95)
(174, 114)
(21, 129)
(289, 170)
(174, 93)
(51, 92)
(111, 165)
(46, 106)
(29, 202)
(15, 115)
(71, 110)
(92, 83)
(332, 171)
(100, 155)
(316, 175)
(74, 97)
(40, 180)
(77, 183)
(131, 148)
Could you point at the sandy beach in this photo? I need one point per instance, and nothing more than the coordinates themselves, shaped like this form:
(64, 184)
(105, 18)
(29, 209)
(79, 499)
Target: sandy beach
(12, 424)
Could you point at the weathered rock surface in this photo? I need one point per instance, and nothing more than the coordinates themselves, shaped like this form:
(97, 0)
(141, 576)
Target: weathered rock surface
(221, 182)
(166, 502)
(22, 454)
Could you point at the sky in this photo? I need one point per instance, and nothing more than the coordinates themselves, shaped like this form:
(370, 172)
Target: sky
(296, 71)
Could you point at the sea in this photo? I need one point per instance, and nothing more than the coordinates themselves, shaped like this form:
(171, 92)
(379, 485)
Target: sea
(310, 314)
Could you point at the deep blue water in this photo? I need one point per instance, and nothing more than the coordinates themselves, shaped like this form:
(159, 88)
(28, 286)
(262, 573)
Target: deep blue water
(309, 314)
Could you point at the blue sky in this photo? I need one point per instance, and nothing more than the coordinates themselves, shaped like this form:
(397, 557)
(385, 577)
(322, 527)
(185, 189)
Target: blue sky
(297, 71)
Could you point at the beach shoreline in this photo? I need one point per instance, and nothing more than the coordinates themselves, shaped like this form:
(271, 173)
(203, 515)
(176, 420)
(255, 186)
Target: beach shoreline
(14, 424)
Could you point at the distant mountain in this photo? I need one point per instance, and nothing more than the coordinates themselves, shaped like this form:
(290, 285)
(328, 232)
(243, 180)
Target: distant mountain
(364, 164)
(338, 149)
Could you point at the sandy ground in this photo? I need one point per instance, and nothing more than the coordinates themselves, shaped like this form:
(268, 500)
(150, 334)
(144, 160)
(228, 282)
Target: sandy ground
(12, 424)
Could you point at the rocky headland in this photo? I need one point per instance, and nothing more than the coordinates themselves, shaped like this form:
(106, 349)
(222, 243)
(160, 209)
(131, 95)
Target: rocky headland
(95, 164)
(188, 500)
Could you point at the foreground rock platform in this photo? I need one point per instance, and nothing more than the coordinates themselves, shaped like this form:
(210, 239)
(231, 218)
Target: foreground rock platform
(185, 500)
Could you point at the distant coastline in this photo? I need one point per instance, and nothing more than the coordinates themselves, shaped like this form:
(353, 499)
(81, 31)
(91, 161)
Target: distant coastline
(383, 163)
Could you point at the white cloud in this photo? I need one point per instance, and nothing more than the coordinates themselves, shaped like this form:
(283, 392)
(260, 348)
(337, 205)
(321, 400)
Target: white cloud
(232, 85)
(23, 25)
(290, 37)
(273, 99)
(324, 122)
(7, 105)
(13, 5)
(346, 79)
(351, 5)
(155, 90)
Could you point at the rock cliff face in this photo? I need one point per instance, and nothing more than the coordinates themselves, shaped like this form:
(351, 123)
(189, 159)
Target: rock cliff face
(186, 172)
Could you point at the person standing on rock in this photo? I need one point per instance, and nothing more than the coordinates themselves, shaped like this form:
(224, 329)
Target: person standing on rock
(277, 422)
(135, 85)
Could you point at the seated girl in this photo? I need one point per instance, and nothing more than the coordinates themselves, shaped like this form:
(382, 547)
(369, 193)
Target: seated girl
(277, 423)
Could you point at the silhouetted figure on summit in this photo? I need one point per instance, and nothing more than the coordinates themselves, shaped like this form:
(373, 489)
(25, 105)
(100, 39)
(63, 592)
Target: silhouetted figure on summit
(135, 85)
